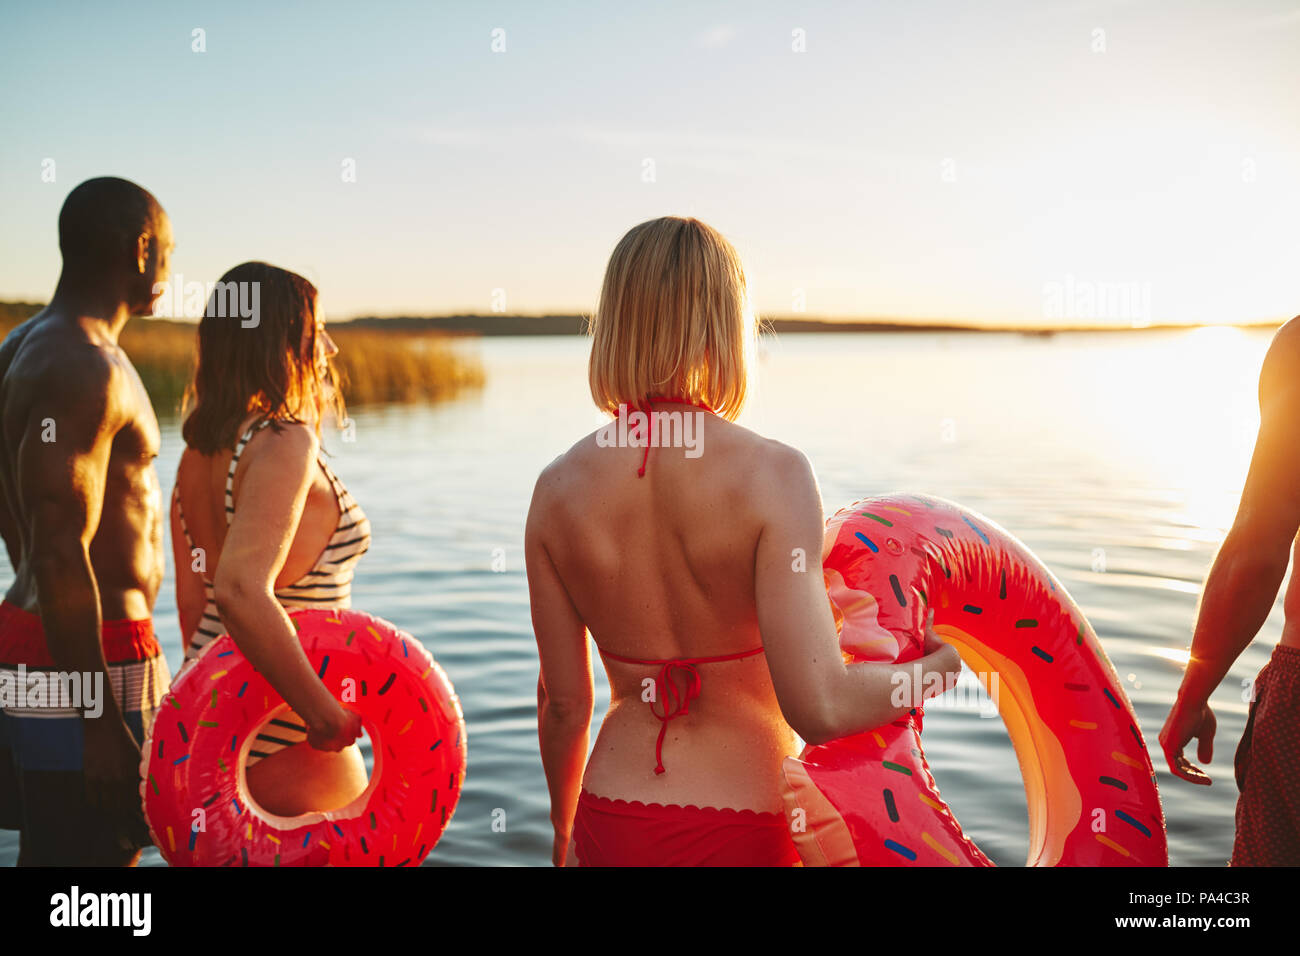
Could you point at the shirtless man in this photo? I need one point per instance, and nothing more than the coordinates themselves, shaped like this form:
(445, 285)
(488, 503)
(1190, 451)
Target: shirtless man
(1238, 595)
(80, 515)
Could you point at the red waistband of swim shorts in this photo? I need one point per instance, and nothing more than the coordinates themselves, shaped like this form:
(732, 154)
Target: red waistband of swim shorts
(22, 639)
(1285, 660)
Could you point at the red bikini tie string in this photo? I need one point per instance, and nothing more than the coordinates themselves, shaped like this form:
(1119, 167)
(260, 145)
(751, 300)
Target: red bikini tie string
(648, 409)
(677, 703)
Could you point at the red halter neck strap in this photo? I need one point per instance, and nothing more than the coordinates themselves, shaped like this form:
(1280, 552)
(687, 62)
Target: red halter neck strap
(677, 702)
(649, 410)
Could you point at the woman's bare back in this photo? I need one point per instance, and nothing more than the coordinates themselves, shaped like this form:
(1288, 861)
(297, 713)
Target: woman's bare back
(201, 483)
(662, 567)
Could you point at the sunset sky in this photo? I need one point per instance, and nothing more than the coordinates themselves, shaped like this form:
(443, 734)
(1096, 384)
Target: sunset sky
(1008, 162)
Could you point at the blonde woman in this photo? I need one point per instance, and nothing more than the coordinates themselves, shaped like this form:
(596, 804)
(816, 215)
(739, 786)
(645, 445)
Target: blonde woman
(681, 563)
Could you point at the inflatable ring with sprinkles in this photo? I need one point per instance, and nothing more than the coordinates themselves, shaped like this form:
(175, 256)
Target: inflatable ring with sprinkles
(869, 799)
(193, 784)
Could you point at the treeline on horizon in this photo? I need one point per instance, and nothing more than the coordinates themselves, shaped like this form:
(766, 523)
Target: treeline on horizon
(494, 324)
(375, 365)
(502, 324)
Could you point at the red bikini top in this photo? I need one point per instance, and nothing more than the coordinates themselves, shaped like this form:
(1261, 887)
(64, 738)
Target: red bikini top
(676, 703)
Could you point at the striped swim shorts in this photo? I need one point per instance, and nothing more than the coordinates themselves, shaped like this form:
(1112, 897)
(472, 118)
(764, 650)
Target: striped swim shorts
(42, 789)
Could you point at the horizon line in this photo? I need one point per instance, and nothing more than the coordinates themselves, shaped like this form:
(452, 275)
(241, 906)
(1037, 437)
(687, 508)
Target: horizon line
(787, 320)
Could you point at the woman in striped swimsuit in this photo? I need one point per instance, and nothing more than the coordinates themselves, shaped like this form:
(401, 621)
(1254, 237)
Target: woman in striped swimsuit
(260, 524)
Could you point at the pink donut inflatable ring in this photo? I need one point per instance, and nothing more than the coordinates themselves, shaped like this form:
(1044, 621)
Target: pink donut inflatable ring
(193, 786)
(870, 800)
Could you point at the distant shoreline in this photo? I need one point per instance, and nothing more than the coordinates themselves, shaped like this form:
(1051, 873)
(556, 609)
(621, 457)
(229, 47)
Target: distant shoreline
(496, 324)
(492, 325)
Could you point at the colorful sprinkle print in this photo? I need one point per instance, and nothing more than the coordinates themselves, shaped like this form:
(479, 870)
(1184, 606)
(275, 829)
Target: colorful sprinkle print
(994, 601)
(222, 690)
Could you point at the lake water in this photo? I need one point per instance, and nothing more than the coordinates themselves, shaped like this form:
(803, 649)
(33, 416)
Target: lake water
(1118, 458)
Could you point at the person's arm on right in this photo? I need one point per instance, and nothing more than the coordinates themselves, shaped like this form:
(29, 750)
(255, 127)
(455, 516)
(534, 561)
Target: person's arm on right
(273, 490)
(821, 697)
(1248, 570)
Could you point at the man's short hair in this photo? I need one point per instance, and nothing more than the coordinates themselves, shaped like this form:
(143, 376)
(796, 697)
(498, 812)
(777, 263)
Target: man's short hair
(101, 220)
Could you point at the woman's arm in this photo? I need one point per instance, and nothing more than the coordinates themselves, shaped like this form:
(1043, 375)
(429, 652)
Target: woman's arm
(821, 697)
(564, 684)
(273, 491)
(190, 599)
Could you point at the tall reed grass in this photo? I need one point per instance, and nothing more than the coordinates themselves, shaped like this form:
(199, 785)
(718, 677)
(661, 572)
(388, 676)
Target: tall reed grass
(375, 365)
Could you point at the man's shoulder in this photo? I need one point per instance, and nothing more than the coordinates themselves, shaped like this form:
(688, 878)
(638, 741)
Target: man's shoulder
(59, 356)
(15, 339)
(1282, 362)
(60, 369)
(1288, 335)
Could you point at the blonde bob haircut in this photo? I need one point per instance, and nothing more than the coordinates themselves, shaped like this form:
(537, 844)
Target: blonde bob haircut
(673, 321)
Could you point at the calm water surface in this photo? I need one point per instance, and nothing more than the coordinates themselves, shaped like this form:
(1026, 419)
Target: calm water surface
(1118, 458)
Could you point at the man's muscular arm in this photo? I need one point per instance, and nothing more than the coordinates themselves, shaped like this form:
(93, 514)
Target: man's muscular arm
(1249, 568)
(9, 531)
(61, 486)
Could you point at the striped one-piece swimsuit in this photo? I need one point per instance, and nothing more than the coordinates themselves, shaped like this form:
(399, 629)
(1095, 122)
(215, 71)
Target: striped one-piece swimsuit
(327, 584)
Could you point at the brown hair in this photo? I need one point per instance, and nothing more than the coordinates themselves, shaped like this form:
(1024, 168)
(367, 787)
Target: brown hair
(674, 319)
(259, 367)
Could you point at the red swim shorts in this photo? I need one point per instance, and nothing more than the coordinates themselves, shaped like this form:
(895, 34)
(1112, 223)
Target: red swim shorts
(42, 790)
(1268, 768)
